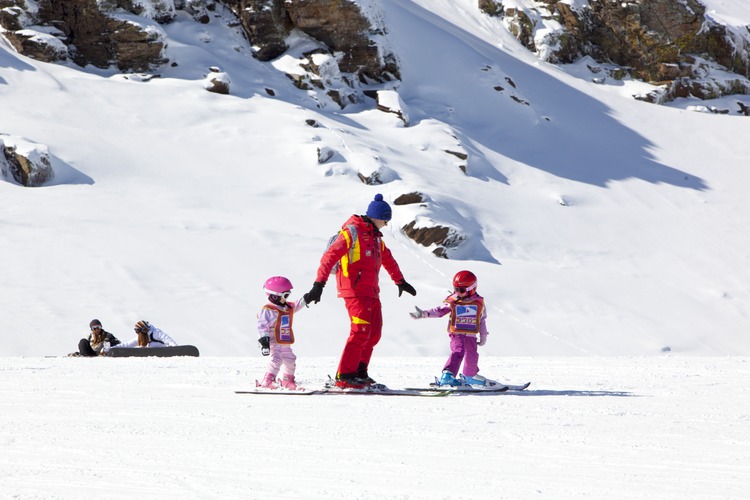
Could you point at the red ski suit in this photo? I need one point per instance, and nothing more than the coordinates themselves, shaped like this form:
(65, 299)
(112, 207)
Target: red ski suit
(360, 252)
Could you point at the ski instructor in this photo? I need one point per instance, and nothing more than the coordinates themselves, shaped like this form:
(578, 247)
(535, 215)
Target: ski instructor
(356, 256)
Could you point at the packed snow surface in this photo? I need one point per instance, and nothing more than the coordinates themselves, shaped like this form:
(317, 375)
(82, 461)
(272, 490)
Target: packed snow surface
(609, 237)
(672, 428)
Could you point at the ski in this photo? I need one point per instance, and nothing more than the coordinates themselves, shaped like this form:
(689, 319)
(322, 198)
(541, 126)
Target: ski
(278, 392)
(468, 389)
(521, 387)
(462, 389)
(357, 392)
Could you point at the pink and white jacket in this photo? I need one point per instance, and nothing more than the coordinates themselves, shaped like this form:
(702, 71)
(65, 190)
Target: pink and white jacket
(275, 321)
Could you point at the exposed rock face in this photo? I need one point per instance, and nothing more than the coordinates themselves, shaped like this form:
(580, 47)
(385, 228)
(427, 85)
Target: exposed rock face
(266, 23)
(339, 24)
(93, 37)
(39, 46)
(659, 41)
(443, 238)
(87, 31)
(12, 14)
(409, 199)
(125, 33)
(428, 233)
(653, 36)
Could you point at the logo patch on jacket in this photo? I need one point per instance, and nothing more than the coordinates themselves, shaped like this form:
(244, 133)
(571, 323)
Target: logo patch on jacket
(466, 317)
(285, 331)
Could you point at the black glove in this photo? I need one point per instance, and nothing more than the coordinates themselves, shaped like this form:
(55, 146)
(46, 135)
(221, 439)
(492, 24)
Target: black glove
(265, 345)
(314, 294)
(405, 287)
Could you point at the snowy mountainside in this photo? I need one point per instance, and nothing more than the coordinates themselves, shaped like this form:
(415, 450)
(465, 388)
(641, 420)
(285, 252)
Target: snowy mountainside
(597, 225)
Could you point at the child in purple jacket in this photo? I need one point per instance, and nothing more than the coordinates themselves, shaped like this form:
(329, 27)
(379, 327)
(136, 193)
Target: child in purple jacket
(467, 321)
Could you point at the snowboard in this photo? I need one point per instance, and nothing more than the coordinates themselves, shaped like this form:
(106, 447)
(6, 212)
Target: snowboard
(161, 352)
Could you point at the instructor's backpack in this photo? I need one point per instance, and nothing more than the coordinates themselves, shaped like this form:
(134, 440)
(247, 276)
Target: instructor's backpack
(353, 231)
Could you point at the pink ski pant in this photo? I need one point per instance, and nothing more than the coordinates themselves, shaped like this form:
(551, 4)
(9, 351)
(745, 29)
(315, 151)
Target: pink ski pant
(281, 356)
(463, 348)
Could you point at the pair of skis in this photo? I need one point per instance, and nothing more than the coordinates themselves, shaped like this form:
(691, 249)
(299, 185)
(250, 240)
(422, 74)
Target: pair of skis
(432, 391)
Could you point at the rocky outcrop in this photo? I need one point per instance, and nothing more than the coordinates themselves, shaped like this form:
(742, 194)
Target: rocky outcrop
(95, 36)
(339, 24)
(342, 47)
(659, 39)
(425, 231)
(37, 45)
(89, 32)
(441, 237)
(267, 25)
(24, 163)
(409, 199)
(669, 43)
(13, 14)
(350, 51)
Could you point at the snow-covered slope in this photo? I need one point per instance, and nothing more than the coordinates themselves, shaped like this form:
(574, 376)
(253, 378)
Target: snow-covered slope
(668, 428)
(598, 225)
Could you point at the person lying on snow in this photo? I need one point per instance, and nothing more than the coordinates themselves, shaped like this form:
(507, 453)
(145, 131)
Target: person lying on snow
(147, 335)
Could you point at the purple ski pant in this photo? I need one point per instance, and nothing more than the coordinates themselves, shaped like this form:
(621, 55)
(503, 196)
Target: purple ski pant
(463, 348)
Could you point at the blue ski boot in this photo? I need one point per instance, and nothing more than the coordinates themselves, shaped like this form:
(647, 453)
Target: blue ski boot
(476, 380)
(447, 378)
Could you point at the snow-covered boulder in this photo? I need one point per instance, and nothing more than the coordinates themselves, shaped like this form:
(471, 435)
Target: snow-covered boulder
(42, 43)
(24, 162)
(217, 81)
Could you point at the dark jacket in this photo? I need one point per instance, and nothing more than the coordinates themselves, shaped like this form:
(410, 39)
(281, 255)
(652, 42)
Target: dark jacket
(106, 336)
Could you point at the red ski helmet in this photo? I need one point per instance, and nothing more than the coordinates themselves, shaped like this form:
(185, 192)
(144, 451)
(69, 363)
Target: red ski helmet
(464, 281)
(277, 285)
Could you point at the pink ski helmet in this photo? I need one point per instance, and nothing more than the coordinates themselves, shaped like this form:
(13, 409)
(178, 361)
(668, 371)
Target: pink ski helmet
(277, 285)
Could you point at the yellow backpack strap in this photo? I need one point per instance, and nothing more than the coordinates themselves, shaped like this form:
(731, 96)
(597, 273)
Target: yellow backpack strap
(351, 238)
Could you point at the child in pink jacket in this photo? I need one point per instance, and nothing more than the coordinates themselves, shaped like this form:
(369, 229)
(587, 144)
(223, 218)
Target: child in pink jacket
(467, 322)
(276, 335)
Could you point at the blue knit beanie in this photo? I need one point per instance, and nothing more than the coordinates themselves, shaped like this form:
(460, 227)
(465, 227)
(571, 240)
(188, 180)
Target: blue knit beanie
(378, 209)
